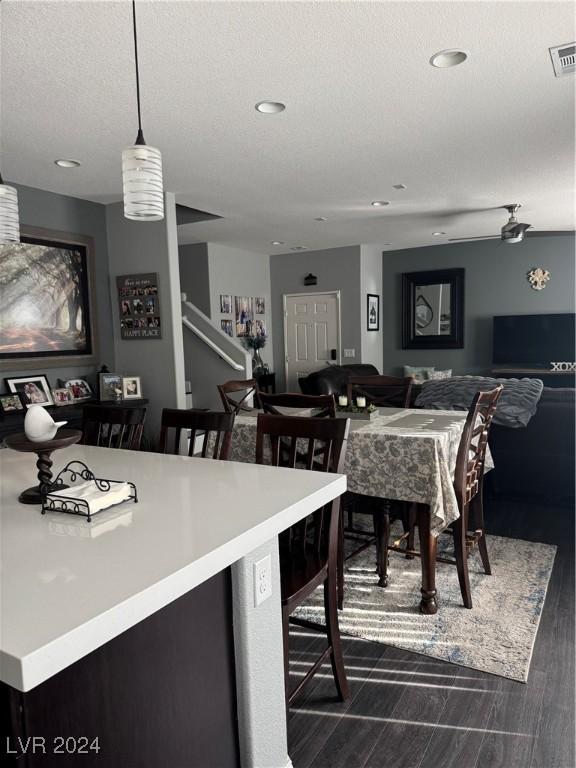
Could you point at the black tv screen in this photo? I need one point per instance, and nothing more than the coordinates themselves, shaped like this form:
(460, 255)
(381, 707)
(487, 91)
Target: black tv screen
(533, 340)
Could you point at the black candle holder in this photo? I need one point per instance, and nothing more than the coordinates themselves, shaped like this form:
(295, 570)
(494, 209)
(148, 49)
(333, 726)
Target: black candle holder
(19, 442)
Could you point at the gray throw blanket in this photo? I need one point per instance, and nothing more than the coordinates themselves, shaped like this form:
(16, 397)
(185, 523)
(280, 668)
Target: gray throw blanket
(517, 404)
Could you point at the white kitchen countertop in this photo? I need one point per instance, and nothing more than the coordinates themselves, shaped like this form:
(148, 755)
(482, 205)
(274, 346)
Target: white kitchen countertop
(69, 586)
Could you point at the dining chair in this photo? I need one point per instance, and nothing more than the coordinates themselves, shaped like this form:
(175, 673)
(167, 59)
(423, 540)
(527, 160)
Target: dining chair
(468, 530)
(232, 398)
(113, 426)
(325, 405)
(382, 391)
(309, 549)
(215, 429)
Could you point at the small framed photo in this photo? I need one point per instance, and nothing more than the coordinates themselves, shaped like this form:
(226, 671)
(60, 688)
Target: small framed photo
(110, 386)
(11, 403)
(80, 389)
(225, 304)
(227, 327)
(260, 305)
(373, 312)
(62, 396)
(131, 387)
(33, 390)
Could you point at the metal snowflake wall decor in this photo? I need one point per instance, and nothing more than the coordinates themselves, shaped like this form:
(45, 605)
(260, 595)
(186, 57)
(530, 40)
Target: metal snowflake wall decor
(538, 278)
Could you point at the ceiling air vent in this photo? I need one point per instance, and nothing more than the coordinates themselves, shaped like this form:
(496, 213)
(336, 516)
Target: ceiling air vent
(564, 59)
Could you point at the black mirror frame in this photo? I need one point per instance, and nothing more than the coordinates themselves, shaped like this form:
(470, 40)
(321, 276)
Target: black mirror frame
(454, 340)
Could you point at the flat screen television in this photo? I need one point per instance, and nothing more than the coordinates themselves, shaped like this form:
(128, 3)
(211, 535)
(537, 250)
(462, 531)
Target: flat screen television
(533, 340)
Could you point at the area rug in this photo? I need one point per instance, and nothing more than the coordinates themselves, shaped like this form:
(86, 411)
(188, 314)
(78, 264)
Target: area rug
(496, 636)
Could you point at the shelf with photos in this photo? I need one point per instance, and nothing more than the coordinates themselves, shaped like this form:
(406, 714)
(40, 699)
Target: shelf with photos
(34, 389)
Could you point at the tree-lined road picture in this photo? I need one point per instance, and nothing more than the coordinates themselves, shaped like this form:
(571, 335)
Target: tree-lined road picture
(44, 307)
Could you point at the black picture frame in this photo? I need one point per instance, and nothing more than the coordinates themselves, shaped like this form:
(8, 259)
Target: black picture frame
(12, 409)
(372, 312)
(16, 385)
(453, 340)
(76, 266)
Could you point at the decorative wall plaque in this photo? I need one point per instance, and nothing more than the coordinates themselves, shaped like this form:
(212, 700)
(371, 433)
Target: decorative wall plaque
(538, 277)
(139, 305)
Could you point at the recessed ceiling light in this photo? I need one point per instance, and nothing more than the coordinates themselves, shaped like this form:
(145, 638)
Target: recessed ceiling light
(277, 242)
(270, 107)
(299, 248)
(399, 186)
(437, 234)
(380, 203)
(448, 58)
(321, 218)
(67, 163)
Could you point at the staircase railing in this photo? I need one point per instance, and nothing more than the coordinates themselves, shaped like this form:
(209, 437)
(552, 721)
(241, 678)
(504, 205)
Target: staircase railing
(211, 357)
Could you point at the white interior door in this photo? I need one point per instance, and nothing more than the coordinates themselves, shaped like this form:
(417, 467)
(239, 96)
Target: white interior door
(311, 334)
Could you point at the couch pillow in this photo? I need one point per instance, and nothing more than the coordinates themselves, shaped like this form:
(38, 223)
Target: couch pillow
(418, 373)
(447, 374)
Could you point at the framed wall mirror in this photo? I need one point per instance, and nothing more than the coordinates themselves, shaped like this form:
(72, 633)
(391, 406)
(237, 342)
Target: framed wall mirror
(433, 309)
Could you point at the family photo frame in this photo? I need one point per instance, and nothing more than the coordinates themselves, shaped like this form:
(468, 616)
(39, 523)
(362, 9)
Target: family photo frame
(32, 390)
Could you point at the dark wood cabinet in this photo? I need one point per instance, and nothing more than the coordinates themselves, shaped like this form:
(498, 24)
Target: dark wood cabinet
(162, 693)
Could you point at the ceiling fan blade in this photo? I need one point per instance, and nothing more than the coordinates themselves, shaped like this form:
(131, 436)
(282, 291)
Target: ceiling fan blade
(479, 237)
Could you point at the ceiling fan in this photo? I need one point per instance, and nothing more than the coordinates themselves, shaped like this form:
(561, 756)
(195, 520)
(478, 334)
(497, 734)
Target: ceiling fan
(512, 232)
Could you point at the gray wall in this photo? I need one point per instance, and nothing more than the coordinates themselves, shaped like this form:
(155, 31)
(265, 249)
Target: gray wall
(241, 273)
(194, 274)
(137, 247)
(337, 269)
(48, 210)
(495, 284)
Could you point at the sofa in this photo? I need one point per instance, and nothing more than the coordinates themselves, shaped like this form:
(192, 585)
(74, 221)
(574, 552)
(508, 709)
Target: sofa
(533, 461)
(538, 460)
(333, 380)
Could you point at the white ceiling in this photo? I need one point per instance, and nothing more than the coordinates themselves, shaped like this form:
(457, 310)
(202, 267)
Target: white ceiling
(365, 111)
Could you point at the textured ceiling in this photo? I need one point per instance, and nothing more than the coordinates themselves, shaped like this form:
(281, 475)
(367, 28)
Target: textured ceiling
(365, 111)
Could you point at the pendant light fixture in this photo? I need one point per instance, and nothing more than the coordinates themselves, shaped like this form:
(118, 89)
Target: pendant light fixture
(142, 166)
(9, 220)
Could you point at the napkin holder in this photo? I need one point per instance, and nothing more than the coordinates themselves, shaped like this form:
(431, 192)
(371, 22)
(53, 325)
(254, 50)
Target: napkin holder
(71, 505)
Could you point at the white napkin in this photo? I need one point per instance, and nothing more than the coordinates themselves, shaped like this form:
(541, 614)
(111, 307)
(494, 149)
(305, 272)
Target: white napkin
(95, 498)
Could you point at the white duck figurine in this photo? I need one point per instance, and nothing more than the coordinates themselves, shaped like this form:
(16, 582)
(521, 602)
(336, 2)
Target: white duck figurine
(39, 426)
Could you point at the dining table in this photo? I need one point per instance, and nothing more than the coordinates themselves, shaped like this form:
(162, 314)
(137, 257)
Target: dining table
(402, 454)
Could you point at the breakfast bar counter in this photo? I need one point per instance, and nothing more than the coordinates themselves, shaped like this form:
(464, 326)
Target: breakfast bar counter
(141, 628)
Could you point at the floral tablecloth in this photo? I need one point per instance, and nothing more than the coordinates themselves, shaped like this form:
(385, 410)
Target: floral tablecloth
(404, 454)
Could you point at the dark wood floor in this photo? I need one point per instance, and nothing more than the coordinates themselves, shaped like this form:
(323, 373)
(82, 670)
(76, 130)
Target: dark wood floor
(412, 711)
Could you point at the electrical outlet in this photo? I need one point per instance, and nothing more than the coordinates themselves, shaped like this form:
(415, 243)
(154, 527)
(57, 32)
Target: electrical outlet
(262, 580)
(349, 353)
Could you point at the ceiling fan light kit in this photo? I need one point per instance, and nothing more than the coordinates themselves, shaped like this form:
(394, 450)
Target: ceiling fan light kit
(513, 231)
(142, 166)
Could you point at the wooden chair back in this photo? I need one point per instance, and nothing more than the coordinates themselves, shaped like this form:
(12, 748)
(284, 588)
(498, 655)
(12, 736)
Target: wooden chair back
(325, 404)
(472, 449)
(306, 443)
(234, 395)
(216, 429)
(382, 391)
(113, 426)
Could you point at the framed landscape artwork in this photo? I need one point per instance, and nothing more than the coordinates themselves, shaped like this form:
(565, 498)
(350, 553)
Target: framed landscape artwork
(45, 311)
